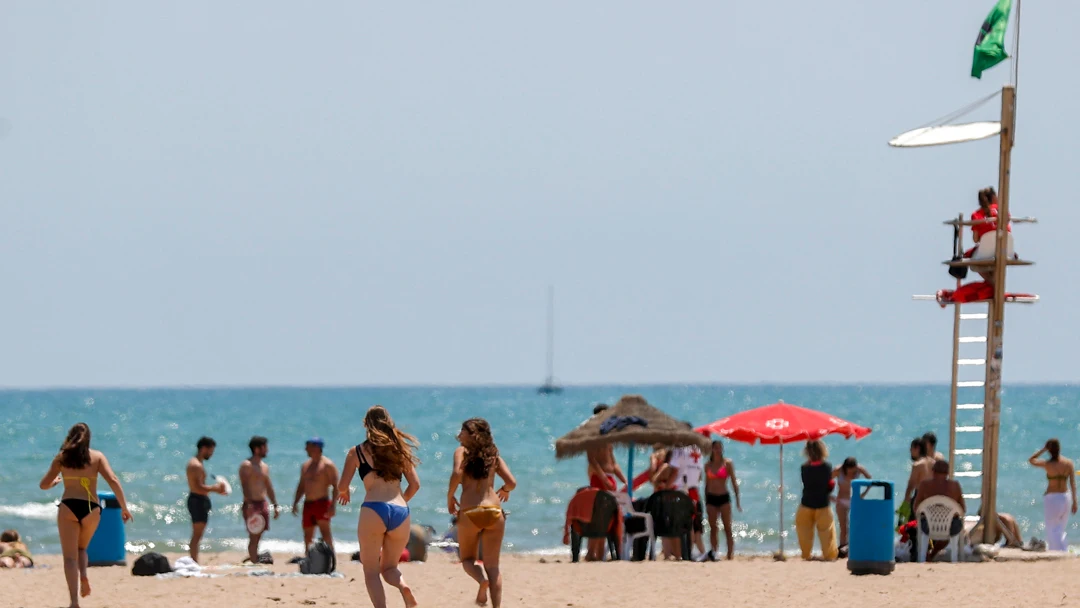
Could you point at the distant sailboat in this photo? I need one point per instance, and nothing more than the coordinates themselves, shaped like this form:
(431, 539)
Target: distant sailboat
(549, 387)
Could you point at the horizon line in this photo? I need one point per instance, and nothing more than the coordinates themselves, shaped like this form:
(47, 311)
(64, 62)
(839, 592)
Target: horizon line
(508, 385)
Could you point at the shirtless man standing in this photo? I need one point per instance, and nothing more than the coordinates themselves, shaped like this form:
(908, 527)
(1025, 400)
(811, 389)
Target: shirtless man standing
(318, 477)
(931, 446)
(255, 481)
(921, 465)
(921, 469)
(198, 502)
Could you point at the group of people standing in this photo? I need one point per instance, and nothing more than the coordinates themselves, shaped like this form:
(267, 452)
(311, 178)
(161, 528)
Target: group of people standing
(318, 480)
(385, 458)
(680, 469)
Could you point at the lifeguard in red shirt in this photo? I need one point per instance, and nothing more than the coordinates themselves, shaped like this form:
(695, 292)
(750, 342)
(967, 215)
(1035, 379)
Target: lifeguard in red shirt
(988, 208)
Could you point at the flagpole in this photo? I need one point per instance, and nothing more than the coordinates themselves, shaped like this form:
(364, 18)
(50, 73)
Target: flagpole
(1016, 48)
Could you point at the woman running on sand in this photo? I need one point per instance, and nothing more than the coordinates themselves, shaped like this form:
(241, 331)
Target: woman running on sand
(381, 460)
(77, 467)
(480, 516)
(718, 500)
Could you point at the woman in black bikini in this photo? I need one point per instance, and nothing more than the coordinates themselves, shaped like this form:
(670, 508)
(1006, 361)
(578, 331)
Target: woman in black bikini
(480, 515)
(382, 460)
(78, 467)
(718, 500)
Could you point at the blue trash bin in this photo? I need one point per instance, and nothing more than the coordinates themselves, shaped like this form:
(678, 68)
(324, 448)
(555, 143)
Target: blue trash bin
(871, 529)
(107, 546)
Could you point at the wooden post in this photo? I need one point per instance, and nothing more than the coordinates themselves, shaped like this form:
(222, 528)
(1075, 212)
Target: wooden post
(955, 361)
(996, 323)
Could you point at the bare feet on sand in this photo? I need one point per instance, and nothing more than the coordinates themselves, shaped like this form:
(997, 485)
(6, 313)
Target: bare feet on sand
(406, 594)
(84, 587)
(482, 594)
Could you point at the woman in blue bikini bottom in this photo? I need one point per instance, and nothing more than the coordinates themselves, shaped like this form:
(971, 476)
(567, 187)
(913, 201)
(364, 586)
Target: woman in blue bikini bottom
(381, 461)
(392, 515)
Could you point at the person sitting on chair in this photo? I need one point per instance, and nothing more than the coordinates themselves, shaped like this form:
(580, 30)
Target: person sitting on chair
(988, 208)
(939, 484)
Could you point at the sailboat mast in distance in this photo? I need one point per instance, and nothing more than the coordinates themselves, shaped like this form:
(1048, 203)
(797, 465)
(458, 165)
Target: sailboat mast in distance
(549, 387)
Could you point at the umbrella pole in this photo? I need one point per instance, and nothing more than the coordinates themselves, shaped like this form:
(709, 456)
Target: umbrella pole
(781, 500)
(630, 473)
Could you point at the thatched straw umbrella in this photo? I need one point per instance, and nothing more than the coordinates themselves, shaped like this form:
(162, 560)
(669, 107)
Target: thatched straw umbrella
(659, 428)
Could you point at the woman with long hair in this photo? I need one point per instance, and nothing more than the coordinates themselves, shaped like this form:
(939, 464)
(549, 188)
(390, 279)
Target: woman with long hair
(844, 475)
(77, 467)
(481, 521)
(814, 512)
(718, 472)
(382, 460)
(1060, 496)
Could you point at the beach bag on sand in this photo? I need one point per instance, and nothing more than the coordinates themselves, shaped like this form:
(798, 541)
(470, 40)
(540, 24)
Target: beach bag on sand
(320, 559)
(150, 564)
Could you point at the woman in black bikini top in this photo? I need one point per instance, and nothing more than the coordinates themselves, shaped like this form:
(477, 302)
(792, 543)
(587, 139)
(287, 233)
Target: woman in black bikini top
(382, 460)
(77, 467)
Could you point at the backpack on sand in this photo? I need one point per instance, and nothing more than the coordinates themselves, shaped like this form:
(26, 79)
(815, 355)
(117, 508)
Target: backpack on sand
(320, 559)
(150, 564)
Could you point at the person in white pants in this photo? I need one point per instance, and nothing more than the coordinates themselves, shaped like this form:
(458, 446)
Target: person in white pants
(1060, 496)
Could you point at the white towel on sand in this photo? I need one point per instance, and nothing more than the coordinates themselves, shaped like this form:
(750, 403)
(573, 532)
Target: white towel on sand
(187, 568)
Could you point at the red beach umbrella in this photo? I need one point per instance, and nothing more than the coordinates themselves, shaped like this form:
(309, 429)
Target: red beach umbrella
(782, 423)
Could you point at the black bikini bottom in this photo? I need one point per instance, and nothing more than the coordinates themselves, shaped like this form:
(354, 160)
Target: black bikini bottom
(80, 507)
(717, 500)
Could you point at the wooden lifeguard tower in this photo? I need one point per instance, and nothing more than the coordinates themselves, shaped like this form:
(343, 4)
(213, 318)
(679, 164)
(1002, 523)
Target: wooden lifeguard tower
(964, 414)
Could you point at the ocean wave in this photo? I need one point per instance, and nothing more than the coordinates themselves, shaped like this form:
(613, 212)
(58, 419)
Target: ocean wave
(42, 511)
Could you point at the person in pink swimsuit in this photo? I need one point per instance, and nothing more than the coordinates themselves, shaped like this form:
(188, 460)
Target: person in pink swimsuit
(717, 499)
(844, 475)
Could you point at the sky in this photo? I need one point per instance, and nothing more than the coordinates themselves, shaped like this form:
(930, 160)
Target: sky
(264, 193)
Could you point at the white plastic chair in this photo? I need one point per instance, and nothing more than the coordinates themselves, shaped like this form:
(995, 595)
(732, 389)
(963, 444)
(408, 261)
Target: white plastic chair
(940, 518)
(627, 507)
(985, 251)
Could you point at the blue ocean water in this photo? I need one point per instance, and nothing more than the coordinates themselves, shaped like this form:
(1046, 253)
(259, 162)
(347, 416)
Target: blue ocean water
(148, 436)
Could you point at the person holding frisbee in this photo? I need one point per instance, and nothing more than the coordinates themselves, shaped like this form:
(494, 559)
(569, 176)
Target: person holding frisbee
(198, 502)
(258, 495)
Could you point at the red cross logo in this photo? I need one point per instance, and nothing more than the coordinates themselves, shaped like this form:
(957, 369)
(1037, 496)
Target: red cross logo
(695, 456)
(777, 423)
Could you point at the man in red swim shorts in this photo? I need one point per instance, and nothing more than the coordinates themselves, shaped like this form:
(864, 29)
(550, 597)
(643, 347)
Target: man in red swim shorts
(318, 479)
(258, 490)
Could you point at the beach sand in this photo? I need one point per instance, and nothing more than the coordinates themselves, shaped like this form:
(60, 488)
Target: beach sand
(529, 582)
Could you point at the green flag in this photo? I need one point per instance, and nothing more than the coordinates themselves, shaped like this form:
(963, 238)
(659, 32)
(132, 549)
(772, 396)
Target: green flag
(990, 45)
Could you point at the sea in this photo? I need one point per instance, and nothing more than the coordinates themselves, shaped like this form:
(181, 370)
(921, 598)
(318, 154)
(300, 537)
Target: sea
(149, 434)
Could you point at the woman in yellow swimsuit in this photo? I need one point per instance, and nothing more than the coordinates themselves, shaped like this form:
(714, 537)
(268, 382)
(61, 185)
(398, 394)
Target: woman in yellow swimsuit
(480, 517)
(77, 467)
